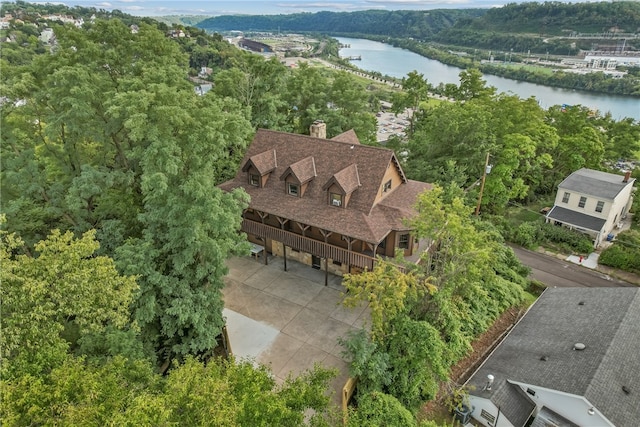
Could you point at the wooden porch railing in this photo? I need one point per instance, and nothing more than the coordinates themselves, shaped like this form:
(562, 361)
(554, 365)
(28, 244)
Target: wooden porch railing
(308, 245)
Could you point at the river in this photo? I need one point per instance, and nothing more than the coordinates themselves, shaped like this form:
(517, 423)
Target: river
(396, 62)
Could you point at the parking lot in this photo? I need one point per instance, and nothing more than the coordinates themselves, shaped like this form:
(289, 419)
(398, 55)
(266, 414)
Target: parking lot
(389, 124)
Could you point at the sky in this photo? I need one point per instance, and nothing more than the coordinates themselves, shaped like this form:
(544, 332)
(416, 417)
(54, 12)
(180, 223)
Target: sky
(253, 7)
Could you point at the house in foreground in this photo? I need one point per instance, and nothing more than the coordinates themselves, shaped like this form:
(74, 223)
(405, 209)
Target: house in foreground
(592, 202)
(333, 204)
(572, 360)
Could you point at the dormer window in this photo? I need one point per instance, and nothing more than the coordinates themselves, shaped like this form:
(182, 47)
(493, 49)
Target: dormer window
(386, 187)
(298, 176)
(336, 199)
(259, 167)
(293, 189)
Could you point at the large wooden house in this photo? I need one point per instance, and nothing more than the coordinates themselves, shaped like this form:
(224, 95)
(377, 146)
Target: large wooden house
(330, 203)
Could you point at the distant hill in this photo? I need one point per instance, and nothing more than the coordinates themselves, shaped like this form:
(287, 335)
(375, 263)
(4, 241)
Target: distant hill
(555, 18)
(540, 27)
(399, 23)
(188, 20)
(522, 27)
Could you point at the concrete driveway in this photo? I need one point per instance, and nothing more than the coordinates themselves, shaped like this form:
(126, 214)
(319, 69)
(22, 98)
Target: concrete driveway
(288, 320)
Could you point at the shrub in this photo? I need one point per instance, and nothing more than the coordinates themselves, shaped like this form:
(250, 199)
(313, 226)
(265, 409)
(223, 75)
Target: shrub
(380, 409)
(527, 234)
(567, 239)
(624, 253)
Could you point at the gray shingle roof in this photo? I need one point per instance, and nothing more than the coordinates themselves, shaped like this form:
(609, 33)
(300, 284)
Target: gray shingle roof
(607, 322)
(579, 219)
(602, 185)
(363, 218)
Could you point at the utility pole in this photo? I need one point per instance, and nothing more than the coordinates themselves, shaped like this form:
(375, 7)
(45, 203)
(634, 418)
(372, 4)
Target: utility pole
(484, 177)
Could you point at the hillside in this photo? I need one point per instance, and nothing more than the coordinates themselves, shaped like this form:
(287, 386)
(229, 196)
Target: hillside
(548, 18)
(560, 28)
(555, 18)
(399, 23)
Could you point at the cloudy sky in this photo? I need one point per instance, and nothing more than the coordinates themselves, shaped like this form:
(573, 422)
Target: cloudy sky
(214, 8)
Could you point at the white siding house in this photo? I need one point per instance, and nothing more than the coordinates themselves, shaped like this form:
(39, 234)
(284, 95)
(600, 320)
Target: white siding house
(572, 360)
(592, 202)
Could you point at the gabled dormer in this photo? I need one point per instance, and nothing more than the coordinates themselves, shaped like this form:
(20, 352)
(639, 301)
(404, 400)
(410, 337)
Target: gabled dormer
(341, 186)
(259, 167)
(393, 177)
(298, 176)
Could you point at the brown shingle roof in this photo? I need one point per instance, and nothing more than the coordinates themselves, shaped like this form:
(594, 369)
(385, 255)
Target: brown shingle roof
(264, 162)
(304, 170)
(348, 137)
(363, 219)
(347, 179)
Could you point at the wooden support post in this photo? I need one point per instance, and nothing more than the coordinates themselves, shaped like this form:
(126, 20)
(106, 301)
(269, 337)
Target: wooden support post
(263, 216)
(282, 222)
(326, 235)
(349, 250)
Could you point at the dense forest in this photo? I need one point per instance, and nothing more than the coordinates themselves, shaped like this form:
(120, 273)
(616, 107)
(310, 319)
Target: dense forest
(530, 21)
(399, 23)
(114, 234)
(558, 18)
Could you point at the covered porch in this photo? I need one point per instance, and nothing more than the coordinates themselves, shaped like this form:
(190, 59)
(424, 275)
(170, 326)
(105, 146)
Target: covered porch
(335, 259)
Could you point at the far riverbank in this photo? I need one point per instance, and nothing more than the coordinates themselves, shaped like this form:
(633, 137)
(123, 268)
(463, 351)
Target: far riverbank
(387, 60)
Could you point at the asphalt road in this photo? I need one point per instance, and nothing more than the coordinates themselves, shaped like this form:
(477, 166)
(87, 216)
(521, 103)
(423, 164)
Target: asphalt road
(556, 272)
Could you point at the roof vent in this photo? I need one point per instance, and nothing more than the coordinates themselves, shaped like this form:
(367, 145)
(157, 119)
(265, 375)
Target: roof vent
(579, 346)
(490, 379)
(581, 303)
(626, 389)
(544, 358)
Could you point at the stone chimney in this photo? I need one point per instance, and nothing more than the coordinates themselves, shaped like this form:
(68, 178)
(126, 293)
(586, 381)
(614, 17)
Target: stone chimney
(627, 175)
(318, 129)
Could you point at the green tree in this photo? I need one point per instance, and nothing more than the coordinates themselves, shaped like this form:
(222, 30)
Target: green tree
(259, 85)
(580, 143)
(189, 226)
(403, 356)
(306, 97)
(350, 108)
(473, 86)
(55, 298)
(379, 409)
(452, 140)
(113, 137)
(122, 392)
(415, 89)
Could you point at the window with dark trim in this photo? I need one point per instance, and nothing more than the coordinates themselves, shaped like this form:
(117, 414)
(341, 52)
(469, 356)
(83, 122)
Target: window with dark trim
(335, 199)
(583, 201)
(565, 197)
(386, 187)
(403, 241)
(254, 180)
(600, 206)
(293, 189)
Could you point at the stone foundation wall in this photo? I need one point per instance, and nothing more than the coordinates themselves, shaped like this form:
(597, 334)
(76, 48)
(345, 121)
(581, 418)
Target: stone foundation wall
(306, 258)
